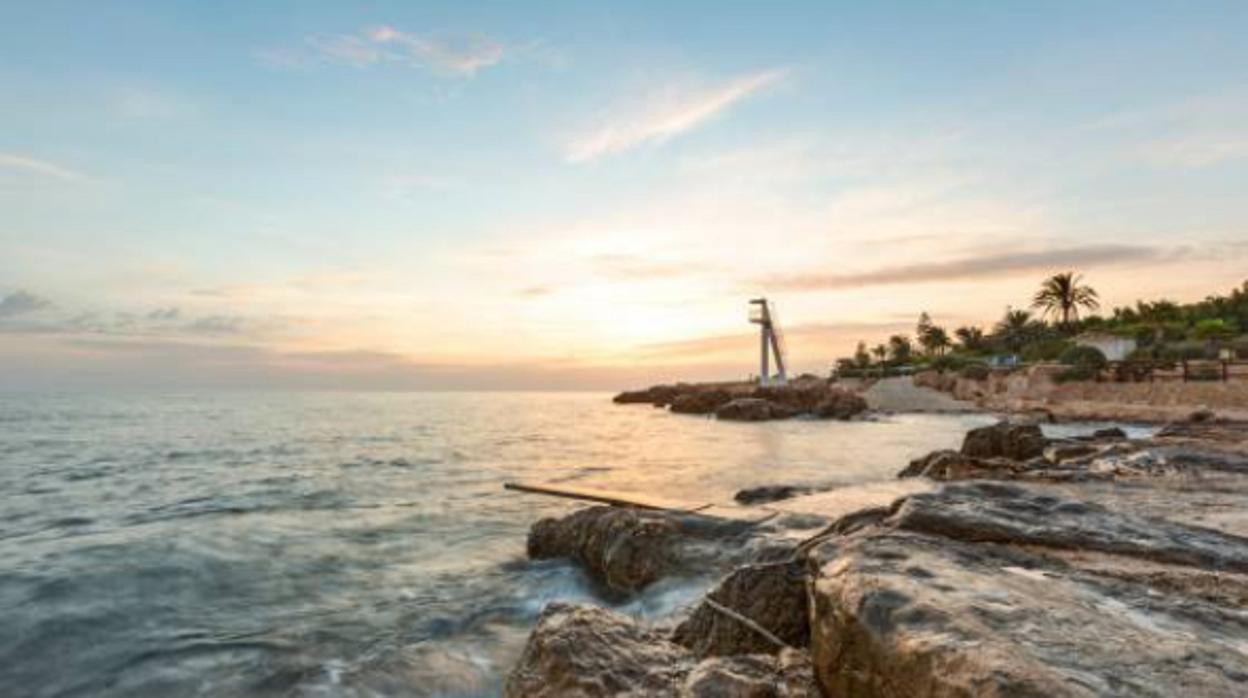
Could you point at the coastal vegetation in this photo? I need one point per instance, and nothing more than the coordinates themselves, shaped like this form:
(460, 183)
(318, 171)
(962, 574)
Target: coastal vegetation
(1062, 309)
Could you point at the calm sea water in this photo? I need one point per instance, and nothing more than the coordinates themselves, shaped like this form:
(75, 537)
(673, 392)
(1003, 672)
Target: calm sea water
(340, 544)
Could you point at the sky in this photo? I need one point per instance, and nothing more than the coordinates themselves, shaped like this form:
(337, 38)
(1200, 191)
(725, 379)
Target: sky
(501, 195)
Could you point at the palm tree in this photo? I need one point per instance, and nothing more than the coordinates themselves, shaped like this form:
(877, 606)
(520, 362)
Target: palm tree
(970, 337)
(1015, 329)
(935, 340)
(1062, 295)
(900, 348)
(881, 353)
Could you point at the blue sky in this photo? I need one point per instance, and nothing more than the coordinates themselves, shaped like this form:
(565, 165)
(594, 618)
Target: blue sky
(571, 195)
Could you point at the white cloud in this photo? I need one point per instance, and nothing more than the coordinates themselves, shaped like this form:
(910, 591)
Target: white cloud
(40, 167)
(667, 115)
(455, 56)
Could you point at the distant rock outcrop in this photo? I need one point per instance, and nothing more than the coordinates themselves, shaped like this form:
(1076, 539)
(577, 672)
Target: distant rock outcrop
(746, 402)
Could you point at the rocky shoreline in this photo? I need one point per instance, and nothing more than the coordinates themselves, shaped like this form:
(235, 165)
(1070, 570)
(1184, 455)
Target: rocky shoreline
(1031, 566)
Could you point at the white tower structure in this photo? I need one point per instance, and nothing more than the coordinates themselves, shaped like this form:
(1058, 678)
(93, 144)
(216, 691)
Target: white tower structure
(771, 342)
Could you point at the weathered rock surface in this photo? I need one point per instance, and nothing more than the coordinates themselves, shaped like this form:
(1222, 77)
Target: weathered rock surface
(593, 653)
(769, 596)
(1005, 440)
(622, 549)
(589, 651)
(753, 409)
(704, 402)
(954, 465)
(840, 404)
(985, 589)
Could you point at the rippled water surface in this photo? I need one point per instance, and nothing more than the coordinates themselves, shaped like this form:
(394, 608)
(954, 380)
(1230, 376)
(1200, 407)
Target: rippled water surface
(340, 544)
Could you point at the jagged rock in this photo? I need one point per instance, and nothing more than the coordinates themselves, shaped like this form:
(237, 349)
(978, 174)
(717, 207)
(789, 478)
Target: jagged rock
(1062, 451)
(954, 465)
(770, 493)
(772, 596)
(1109, 434)
(1005, 440)
(1001, 591)
(840, 404)
(623, 549)
(590, 652)
(753, 409)
(787, 675)
(701, 402)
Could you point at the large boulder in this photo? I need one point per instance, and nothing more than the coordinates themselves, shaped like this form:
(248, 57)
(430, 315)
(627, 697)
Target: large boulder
(1005, 440)
(840, 404)
(753, 409)
(700, 402)
(757, 609)
(990, 590)
(621, 548)
(590, 652)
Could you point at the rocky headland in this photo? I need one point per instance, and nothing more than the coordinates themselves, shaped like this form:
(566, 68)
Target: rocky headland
(1019, 565)
(748, 402)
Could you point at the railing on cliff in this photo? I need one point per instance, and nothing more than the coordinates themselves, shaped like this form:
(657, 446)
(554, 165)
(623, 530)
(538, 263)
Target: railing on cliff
(1186, 371)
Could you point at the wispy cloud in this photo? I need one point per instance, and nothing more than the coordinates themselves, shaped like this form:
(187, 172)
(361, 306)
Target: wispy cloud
(667, 115)
(452, 56)
(977, 267)
(39, 167)
(20, 303)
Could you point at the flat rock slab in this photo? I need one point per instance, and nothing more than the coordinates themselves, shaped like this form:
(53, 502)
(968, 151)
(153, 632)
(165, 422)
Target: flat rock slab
(909, 614)
(989, 589)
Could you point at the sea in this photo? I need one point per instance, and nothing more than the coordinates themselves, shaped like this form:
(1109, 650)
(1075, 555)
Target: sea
(344, 544)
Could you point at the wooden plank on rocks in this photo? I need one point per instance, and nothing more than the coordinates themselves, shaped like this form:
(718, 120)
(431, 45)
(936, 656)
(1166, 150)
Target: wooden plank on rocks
(712, 510)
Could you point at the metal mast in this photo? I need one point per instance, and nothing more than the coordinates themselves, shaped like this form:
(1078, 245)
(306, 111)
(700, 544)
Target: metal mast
(771, 342)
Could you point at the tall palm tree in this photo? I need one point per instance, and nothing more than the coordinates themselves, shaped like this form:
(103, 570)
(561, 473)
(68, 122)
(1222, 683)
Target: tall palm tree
(1062, 295)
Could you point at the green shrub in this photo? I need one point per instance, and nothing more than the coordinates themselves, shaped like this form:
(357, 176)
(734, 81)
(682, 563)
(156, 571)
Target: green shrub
(1046, 350)
(948, 362)
(975, 371)
(1076, 372)
(1084, 357)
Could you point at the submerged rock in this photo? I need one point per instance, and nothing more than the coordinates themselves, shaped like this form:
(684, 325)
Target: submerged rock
(770, 493)
(1005, 440)
(623, 549)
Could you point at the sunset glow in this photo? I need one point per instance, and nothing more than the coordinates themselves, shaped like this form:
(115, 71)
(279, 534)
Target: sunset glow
(419, 196)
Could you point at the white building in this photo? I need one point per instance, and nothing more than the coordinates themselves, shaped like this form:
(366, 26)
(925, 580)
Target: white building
(1114, 348)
